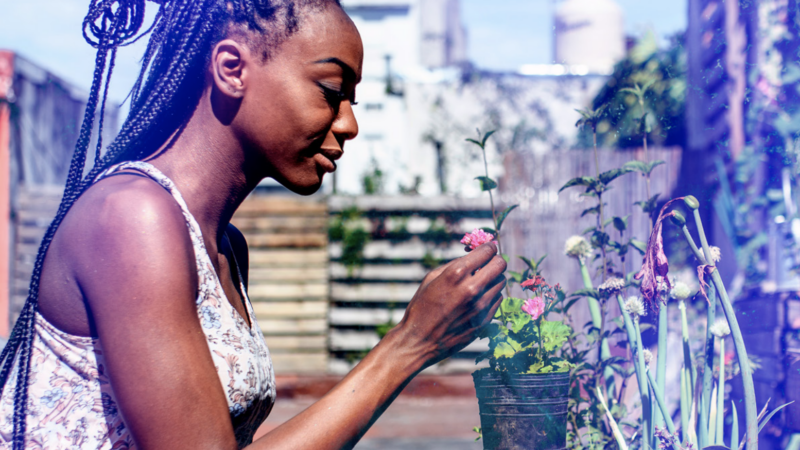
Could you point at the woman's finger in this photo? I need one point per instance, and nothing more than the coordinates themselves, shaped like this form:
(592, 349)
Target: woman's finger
(492, 291)
(491, 270)
(474, 260)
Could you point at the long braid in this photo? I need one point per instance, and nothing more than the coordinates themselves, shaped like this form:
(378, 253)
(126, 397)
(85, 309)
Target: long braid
(183, 33)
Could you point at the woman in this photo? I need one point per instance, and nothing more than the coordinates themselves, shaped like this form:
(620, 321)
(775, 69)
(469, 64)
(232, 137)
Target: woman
(138, 332)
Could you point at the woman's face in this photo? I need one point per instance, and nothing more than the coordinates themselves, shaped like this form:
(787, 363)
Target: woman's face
(296, 112)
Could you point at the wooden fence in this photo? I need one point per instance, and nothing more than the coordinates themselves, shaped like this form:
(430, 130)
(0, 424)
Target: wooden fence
(408, 235)
(288, 240)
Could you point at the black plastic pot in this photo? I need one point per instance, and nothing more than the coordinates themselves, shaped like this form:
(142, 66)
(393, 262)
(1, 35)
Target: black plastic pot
(522, 412)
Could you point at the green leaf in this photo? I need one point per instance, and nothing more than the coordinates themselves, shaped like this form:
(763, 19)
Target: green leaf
(473, 141)
(487, 184)
(554, 334)
(490, 230)
(621, 223)
(515, 276)
(586, 293)
(638, 245)
(503, 216)
(641, 166)
(507, 349)
(613, 174)
(592, 210)
(649, 205)
(769, 416)
(579, 181)
(486, 137)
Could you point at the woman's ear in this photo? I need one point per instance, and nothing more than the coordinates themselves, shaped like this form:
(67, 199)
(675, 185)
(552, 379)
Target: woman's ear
(229, 65)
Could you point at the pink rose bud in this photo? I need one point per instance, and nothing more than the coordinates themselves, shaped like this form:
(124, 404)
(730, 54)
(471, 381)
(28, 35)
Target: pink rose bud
(476, 239)
(534, 307)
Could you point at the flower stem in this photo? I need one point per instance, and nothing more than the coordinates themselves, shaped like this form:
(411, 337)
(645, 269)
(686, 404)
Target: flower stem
(631, 331)
(708, 368)
(662, 407)
(751, 412)
(494, 213)
(646, 405)
(721, 393)
(600, 217)
(661, 362)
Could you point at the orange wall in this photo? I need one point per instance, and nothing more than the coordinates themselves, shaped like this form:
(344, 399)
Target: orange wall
(6, 77)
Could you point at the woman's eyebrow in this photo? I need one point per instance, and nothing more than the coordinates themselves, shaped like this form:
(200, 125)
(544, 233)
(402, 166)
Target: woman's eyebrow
(349, 72)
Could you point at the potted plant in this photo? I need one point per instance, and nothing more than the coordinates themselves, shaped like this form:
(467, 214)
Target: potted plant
(524, 393)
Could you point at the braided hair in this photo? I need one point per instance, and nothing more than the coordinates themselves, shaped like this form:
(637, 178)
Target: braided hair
(163, 98)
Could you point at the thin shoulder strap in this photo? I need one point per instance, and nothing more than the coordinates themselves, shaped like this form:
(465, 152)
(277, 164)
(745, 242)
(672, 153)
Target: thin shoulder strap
(156, 175)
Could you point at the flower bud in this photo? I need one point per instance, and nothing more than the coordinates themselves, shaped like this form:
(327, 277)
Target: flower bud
(648, 356)
(691, 202)
(678, 218)
(635, 307)
(577, 247)
(720, 328)
(680, 291)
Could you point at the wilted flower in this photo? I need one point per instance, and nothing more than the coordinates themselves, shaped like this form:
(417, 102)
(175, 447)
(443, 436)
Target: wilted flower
(611, 286)
(655, 265)
(577, 247)
(476, 239)
(635, 307)
(533, 283)
(716, 254)
(648, 356)
(534, 307)
(680, 291)
(720, 328)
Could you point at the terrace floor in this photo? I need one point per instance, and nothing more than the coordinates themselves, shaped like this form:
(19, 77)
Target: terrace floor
(433, 412)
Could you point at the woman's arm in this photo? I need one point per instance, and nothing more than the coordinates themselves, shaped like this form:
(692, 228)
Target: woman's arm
(447, 311)
(135, 264)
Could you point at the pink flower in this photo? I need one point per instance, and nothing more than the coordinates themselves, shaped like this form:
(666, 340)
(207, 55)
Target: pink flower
(476, 238)
(534, 307)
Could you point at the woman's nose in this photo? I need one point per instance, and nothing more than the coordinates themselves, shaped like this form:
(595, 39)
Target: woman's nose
(345, 127)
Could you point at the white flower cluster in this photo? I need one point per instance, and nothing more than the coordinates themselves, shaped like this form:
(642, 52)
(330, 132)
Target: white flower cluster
(577, 247)
(648, 356)
(720, 328)
(611, 286)
(680, 291)
(716, 254)
(635, 307)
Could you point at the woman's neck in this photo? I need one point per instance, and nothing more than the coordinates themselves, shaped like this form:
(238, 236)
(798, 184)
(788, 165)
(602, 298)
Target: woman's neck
(210, 169)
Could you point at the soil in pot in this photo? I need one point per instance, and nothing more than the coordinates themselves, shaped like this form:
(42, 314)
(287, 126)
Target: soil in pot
(522, 412)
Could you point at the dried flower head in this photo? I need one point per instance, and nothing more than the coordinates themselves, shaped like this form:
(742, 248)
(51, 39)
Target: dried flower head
(577, 247)
(720, 328)
(635, 307)
(716, 254)
(534, 307)
(680, 291)
(655, 266)
(476, 239)
(648, 356)
(611, 287)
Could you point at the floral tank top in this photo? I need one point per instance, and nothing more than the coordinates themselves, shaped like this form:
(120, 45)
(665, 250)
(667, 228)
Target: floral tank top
(70, 402)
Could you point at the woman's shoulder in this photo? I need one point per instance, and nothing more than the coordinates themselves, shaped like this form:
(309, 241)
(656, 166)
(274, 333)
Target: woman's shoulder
(127, 218)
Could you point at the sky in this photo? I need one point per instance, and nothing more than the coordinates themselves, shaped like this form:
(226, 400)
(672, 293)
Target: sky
(48, 32)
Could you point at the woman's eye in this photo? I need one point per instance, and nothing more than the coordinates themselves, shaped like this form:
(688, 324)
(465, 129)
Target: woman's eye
(335, 96)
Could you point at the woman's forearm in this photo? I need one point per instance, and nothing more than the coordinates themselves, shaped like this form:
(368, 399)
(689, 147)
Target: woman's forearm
(340, 418)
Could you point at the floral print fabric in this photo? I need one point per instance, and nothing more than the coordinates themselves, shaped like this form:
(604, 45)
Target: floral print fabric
(70, 402)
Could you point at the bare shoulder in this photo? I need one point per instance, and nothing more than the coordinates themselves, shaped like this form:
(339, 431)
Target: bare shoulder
(124, 231)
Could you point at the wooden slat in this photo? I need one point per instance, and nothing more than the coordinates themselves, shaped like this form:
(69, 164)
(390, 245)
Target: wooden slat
(414, 249)
(282, 275)
(285, 258)
(284, 344)
(373, 292)
(280, 224)
(400, 272)
(287, 291)
(266, 206)
(361, 340)
(306, 310)
(410, 203)
(364, 316)
(312, 362)
(293, 326)
(302, 240)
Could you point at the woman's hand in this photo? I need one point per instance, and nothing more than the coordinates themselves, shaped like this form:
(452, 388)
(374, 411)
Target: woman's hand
(451, 306)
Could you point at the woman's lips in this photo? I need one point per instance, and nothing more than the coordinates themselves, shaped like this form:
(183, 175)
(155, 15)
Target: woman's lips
(326, 163)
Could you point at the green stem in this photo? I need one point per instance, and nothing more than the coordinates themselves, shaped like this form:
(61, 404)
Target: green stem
(661, 361)
(751, 412)
(646, 409)
(684, 407)
(597, 321)
(721, 393)
(494, 213)
(663, 407)
(734, 428)
(708, 367)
